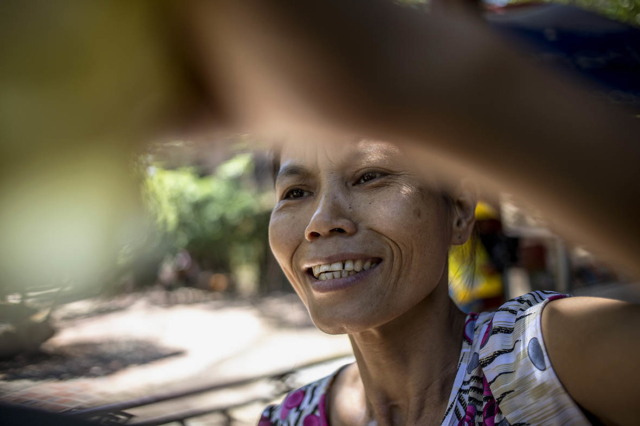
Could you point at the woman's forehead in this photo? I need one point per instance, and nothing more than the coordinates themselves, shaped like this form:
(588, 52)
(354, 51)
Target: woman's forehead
(336, 154)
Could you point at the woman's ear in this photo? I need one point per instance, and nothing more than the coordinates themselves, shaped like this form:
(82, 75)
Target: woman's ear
(465, 200)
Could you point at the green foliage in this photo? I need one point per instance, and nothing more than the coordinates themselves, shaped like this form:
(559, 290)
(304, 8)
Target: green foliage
(627, 11)
(623, 10)
(220, 219)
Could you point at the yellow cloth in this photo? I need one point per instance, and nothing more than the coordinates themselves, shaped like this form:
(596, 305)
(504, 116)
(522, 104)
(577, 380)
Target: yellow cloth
(469, 283)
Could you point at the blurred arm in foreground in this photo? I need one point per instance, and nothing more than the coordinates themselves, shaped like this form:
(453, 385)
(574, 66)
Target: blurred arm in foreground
(443, 81)
(85, 84)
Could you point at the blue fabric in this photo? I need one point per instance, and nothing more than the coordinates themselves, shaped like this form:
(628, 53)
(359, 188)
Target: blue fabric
(592, 47)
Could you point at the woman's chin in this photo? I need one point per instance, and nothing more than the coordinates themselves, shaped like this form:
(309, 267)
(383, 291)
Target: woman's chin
(342, 321)
(332, 329)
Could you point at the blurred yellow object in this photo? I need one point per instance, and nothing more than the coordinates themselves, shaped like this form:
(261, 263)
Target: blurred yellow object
(472, 280)
(82, 86)
(472, 277)
(484, 211)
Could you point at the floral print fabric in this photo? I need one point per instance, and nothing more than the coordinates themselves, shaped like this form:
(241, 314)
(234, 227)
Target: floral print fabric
(305, 406)
(504, 376)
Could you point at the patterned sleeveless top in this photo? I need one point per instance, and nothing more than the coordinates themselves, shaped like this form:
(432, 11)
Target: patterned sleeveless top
(504, 376)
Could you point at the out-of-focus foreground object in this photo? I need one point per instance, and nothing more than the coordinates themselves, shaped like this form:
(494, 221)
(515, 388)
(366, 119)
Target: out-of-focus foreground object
(82, 86)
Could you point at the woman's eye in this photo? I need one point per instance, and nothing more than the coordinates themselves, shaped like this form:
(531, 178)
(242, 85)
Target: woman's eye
(296, 193)
(369, 176)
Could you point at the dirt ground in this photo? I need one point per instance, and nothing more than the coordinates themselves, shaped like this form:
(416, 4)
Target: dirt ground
(138, 345)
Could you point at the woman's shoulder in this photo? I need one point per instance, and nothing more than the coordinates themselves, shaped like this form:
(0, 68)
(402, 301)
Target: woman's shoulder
(479, 327)
(303, 406)
(510, 355)
(513, 328)
(499, 325)
(519, 304)
(530, 300)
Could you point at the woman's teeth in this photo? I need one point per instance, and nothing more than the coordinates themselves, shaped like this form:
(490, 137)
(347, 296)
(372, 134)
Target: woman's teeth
(344, 269)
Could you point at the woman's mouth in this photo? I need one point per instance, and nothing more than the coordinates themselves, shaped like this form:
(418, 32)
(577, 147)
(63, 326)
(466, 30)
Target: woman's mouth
(347, 268)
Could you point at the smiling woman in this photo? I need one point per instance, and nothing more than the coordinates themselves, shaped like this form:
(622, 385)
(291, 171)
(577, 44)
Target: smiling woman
(363, 240)
(360, 237)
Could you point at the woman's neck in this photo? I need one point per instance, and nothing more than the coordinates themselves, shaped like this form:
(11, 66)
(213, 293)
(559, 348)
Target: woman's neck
(407, 367)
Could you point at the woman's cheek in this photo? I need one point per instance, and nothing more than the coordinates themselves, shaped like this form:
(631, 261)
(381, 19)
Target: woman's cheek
(286, 232)
(396, 207)
(278, 237)
(409, 216)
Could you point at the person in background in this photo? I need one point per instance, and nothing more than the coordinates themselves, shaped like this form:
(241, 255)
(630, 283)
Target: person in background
(477, 269)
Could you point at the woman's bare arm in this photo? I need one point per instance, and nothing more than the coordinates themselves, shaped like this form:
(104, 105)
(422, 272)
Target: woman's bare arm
(593, 345)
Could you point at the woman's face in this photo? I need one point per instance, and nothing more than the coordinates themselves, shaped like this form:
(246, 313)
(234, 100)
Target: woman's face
(360, 237)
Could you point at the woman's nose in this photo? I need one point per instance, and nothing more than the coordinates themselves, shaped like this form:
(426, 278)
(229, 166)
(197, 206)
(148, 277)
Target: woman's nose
(330, 218)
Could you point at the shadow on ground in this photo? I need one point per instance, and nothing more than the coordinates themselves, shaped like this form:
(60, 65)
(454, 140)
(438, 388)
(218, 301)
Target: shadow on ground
(83, 360)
